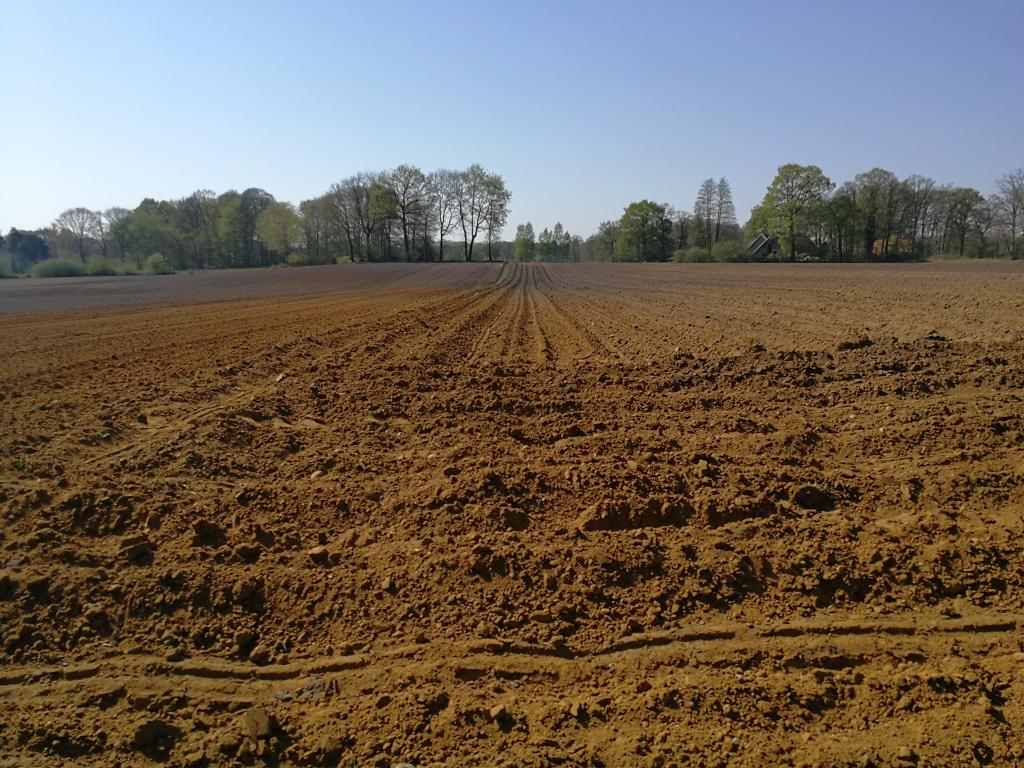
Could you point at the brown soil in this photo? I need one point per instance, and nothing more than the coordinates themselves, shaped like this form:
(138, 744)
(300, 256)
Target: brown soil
(483, 515)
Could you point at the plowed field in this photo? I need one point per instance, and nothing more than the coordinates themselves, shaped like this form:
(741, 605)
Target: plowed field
(508, 515)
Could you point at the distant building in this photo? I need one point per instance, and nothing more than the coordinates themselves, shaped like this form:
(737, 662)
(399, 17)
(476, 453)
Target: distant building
(898, 246)
(763, 246)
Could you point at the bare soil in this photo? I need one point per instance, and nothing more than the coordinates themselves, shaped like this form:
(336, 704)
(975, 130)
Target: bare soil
(500, 515)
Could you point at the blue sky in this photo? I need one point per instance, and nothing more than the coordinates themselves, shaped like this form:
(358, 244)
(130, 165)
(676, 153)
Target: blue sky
(582, 106)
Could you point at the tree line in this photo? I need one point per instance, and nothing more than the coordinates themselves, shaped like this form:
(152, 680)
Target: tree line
(879, 217)
(650, 231)
(406, 214)
(402, 214)
(555, 244)
(804, 214)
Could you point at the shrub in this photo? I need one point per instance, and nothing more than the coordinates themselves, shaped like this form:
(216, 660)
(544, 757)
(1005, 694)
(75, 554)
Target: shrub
(98, 267)
(300, 259)
(105, 267)
(58, 268)
(156, 264)
(693, 255)
(729, 250)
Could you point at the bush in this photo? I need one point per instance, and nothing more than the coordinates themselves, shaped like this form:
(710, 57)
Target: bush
(300, 259)
(99, 267)
(156, 264)
(58, 268)
(691, 255)
(729, 250)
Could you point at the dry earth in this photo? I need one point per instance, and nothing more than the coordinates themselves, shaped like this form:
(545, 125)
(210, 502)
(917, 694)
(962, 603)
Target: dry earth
(497, 515)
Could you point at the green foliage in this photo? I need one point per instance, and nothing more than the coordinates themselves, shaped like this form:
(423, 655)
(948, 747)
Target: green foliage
(156, 264)
(303, 259)
(644, 233)
(729, 250)
(525, 245)
(58, 268)
(722, 251)
(692, 255)
(25, 249)
(280, 228)
(97, 266)
(794, 203)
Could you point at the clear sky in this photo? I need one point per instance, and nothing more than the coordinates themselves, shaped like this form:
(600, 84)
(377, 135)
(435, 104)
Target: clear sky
(582, 106)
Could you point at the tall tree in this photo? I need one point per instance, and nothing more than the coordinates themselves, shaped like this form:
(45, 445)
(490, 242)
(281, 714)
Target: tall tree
(445, 190)
(1010, 208)
(26, 248)
(116, 219)
(525, 242)
(601, 245)
(252, 203)
(965, 207)
(920, 199)
(346, 202)
(476, 188)
(795, 195)
(410, 190)
(77, 226)
(382, 212)
(681, 230)
(195, 220)
(495, 210)
(725, 211)
(322, 246)
(644, 232)
(559, 242)
(544, 245)
(704, 209)
(280, 228)
(879, 197)
(842, 223)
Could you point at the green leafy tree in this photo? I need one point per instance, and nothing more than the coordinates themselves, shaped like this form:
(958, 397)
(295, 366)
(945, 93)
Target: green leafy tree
(230, 228)
(644, 233)
(478, 194)
(280, 228)
(525, 242)
(704, 211)
(26, 249)
(601, 245)
(725, 211)
(794, 202)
